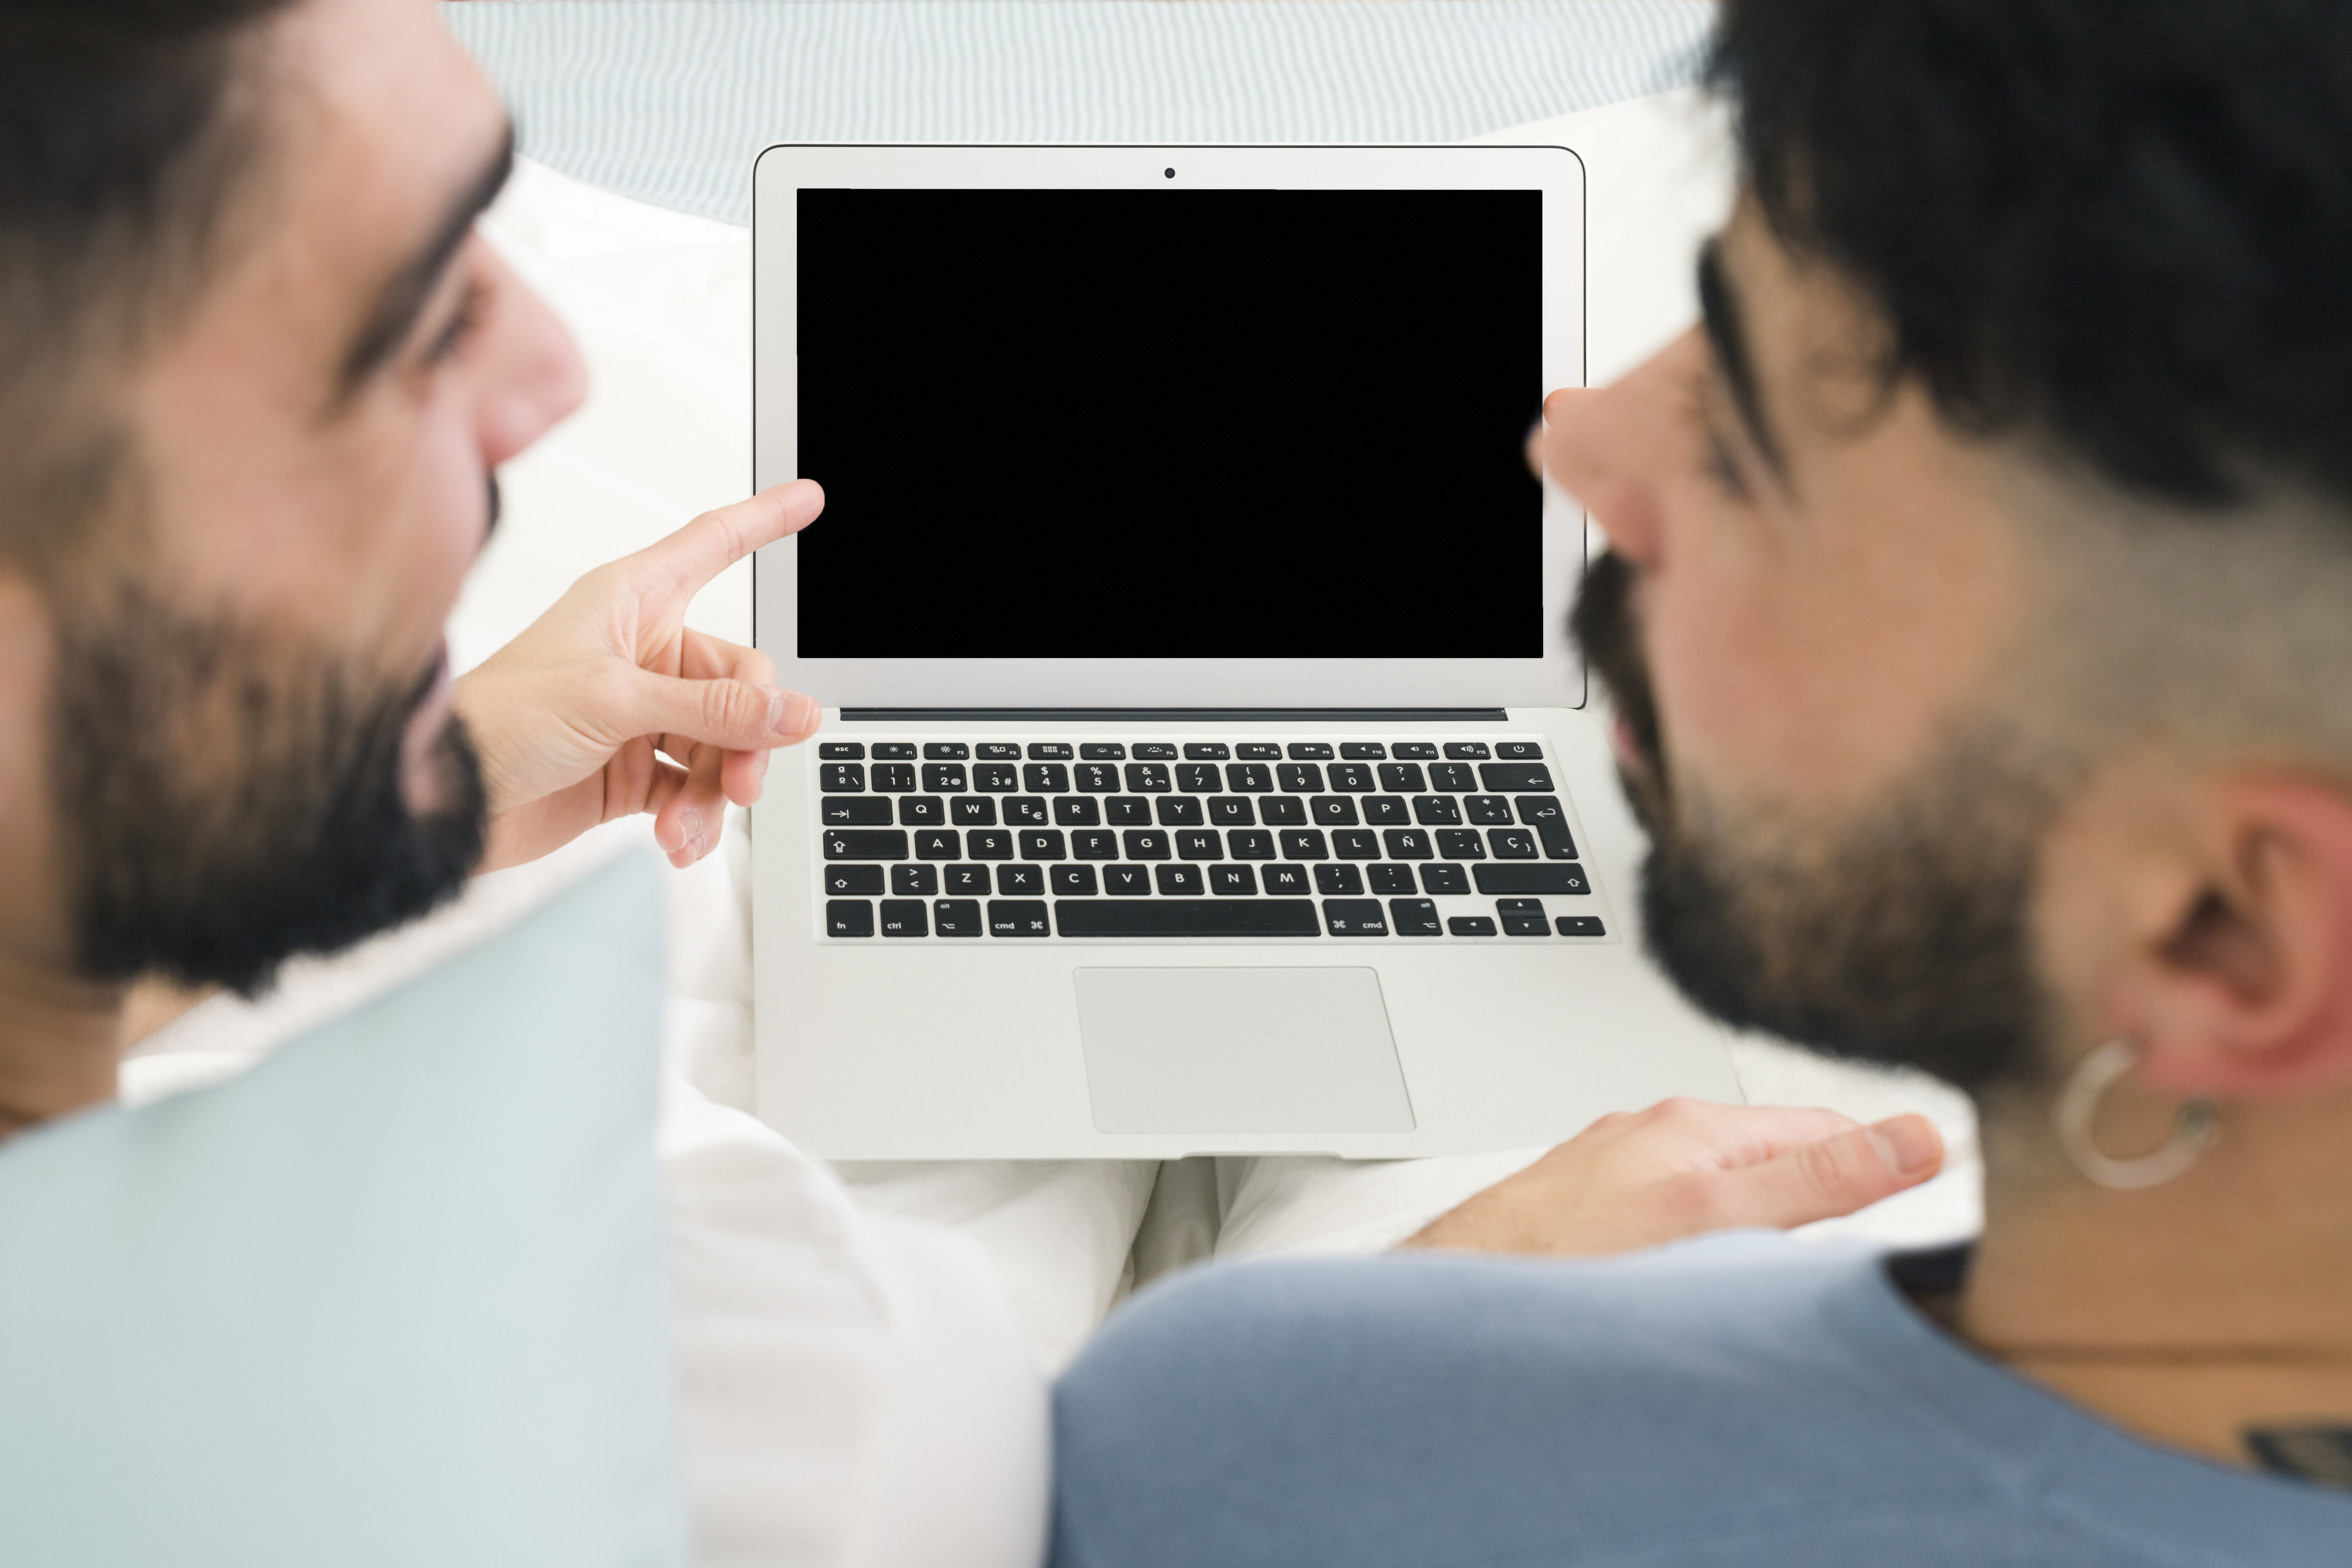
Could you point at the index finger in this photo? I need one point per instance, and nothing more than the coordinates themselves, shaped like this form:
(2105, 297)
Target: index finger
(717, 539)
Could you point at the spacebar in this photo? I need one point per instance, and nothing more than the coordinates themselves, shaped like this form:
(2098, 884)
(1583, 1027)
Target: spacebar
(1225, 917)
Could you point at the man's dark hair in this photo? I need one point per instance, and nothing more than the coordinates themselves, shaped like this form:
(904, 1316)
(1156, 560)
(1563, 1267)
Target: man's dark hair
(123, 141)
(2122, 224)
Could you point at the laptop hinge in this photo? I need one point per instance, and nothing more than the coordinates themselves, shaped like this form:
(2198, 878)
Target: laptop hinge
(1174, 715)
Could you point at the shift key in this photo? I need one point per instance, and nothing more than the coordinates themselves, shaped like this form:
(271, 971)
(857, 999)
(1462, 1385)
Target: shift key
(869, 844)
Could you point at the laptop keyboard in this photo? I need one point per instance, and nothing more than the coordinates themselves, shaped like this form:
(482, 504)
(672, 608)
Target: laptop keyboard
(947, 840)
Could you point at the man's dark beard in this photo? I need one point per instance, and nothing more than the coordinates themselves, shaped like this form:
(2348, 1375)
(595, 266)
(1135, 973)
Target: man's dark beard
(1899, 935)
(228, 800)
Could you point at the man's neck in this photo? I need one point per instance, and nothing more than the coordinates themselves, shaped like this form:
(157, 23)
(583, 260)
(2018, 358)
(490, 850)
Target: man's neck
(61, 1042)
(2202, 1313)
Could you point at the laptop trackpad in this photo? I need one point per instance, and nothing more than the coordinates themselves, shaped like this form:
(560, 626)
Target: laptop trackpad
(1240, 1051)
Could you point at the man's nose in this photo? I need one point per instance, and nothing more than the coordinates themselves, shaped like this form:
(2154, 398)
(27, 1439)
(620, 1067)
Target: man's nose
(1603, 445)
(531, 378)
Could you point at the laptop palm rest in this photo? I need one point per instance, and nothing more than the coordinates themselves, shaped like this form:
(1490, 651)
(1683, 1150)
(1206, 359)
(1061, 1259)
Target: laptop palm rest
(1240, 1051)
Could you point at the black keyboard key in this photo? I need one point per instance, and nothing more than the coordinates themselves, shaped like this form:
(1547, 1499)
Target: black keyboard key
(972, 811)
(1248, 778)
(1102, 751)
(956, 917)
(1526, 925)
(997, 752)
(938, 844)
(1282, 811)
(946, 751)
(1356, 844)
(1072, 882)
(865, 844)
(1406, 844)
(840, 751)
(1156, 752)
(1504, 778)
(1415, 750)
(1466, 751)
(1519, 751)
(1205, 752)
(1199, 844)
(1580, 925)
(894, 751)
(1309, 751)
(1250, 844)
(1518, 906)
(1415, 917)
(893, 778)
(841, 778)
(1512, 843)
(1461, 844)
(1390, 878)
(1046, 778)
(1456, 778)
(1434, 810)
(1147, 778)
(1303, 844)
(1332, 810)
(1198, 778)
(866, 811)
(1180, 811)
(1543, 812)
(1021, 878)
(1232, 881)
(1287, 879)
(1338, 880)
(922, 811)
(853, 881)
(1445, 879)
(1043, 844)
(1384, 810)
(1126, 881)
(989, 844)
(1364, 751)
(849, 916)
(1353, 777)
(1471, 925)
(1402, 778)
(1174, 918)
(1552, 877)
(1258, 752)
(905, 917)
(1049, 752)
(914, 881)
(1485, 808)
(1146, 845)
(1076, 811)
(1355, 917)
(1026, 811)
(1021, 919)
(1231, 811)
(969, 881)
(1299, 778)
(995, 778)
(1179, 881)
(1093, 845)
(1096, 778)
(1127, 810)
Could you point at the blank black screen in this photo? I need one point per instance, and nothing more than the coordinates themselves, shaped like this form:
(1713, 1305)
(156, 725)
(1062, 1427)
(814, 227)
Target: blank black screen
(1171, 423)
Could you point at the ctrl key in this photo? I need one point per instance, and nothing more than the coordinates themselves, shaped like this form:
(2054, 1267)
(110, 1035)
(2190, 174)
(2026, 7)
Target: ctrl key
(1018, 917)
(905, 917)
(849, 916)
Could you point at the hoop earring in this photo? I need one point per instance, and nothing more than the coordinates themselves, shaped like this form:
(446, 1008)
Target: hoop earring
(2195, 1128)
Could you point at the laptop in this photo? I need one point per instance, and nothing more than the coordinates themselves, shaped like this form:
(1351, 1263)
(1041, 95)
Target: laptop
(1206, 768)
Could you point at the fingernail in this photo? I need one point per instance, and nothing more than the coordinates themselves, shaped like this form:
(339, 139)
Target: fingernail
(760, 764)
(790, 713)
(689, 828)
(1907, 1143)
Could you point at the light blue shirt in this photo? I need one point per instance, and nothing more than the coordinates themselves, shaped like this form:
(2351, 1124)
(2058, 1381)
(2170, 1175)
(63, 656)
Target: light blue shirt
(1743, 1399)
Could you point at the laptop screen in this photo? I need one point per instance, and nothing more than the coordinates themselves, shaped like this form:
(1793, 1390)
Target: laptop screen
(1162, 424)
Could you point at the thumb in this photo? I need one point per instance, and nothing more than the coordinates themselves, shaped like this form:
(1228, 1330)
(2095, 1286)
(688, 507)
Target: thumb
(1834, 1176)
(733, 715)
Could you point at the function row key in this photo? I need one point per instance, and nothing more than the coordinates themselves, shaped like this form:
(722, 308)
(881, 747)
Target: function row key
(1466, 751)
(894, 750)
(1309, 751)
(1414, 751)
(1155, 751)
(1258, 752)
(840, 751)
(1364, 751)
(1102, 751)
(1049, 752)
(997, 752)
(946, 751)
(1205, 752)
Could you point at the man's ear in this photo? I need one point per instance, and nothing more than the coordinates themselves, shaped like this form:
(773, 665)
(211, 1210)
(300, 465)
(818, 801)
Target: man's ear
(2239, 981)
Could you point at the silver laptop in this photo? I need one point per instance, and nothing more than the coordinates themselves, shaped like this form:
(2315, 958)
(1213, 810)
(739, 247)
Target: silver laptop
(1206, 768)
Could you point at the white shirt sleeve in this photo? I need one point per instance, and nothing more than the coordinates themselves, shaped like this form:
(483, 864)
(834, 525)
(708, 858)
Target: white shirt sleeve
(853, 1391)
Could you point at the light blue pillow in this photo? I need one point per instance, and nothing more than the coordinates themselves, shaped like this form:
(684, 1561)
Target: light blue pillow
(395, 1297)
